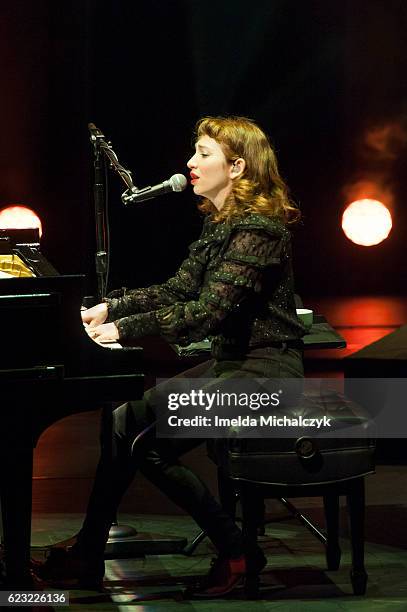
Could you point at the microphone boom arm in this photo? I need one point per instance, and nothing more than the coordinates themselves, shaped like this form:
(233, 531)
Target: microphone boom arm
(124, 174)
(97, 138)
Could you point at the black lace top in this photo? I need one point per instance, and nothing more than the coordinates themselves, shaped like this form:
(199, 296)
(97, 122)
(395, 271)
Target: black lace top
(236, 286)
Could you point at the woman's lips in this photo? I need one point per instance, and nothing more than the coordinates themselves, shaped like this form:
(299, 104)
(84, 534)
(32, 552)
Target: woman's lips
(194, 178)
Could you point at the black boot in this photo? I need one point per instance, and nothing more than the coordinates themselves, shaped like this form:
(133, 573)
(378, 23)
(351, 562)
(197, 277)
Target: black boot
(71, 566)
(226, 574)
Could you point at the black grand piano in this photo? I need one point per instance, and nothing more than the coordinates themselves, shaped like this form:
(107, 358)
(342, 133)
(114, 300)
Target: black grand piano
(49, 369)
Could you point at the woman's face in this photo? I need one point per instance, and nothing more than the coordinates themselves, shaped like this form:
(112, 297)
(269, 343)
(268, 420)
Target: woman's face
(211, 173)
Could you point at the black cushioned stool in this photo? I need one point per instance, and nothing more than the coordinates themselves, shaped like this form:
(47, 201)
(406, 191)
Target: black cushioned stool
(283, 468)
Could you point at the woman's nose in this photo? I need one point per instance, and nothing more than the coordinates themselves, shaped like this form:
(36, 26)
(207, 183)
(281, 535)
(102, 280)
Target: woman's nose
(191, 162)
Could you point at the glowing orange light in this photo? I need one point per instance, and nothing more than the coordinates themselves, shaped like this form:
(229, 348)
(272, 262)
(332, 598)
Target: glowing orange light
(19, 217)
(366, 222)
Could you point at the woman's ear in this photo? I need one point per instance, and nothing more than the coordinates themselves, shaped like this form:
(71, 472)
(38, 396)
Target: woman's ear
(237, 168)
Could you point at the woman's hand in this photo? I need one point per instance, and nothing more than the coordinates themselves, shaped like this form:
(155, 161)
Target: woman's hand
(104, 333)
(96, 315)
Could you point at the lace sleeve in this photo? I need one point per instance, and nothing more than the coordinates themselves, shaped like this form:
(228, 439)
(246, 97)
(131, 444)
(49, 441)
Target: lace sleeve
(238, 276)
(182, 287)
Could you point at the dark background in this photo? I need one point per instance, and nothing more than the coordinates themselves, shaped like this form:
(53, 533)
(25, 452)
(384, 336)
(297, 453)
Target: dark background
(325, 79)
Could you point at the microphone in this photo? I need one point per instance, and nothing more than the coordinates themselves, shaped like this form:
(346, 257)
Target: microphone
(177, 182)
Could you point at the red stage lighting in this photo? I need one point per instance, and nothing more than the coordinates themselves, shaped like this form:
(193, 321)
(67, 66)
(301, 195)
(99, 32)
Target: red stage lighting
(366, 222)
(19, 217)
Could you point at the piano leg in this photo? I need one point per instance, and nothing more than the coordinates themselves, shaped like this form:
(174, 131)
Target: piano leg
(16, 503)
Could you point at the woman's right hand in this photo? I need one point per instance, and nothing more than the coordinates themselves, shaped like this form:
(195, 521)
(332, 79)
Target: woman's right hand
(95, 316)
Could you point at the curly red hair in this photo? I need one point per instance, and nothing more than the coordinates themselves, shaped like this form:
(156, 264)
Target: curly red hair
(260, 189)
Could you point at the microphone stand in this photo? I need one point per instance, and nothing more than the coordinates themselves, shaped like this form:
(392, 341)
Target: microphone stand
(100, 216)
(100, 148)
(124, 541)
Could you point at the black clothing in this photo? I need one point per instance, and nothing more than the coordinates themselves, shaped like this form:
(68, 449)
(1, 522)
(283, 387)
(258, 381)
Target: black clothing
(236, 285)
(158, 458)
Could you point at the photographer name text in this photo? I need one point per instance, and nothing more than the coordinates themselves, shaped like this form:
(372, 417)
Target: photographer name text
(248, 421)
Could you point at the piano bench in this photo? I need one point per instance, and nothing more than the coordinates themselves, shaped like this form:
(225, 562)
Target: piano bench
(254, 469)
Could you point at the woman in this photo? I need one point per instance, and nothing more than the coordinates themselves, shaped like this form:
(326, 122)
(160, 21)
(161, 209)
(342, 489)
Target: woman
(236, 287)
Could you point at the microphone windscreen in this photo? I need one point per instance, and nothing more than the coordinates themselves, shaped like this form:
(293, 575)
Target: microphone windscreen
(178, 182)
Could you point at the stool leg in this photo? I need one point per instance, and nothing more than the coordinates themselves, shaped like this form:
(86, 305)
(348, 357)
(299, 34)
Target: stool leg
(356, 513)
(252, 503)
(333, 551)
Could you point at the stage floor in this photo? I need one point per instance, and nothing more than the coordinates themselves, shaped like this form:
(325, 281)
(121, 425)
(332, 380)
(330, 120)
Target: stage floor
(65, 461)
(295, 578)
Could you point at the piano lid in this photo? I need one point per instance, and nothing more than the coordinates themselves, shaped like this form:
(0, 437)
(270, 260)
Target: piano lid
(20, 255)
(11, 238)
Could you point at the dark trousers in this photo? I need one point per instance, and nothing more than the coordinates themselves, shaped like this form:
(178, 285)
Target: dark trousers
(158, 458)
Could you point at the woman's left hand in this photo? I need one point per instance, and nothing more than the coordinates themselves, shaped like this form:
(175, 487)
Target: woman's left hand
(107, 332)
